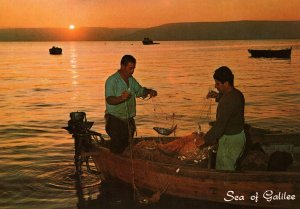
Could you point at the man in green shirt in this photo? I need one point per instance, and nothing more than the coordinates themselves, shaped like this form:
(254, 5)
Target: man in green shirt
(228, 130)
(121, 90)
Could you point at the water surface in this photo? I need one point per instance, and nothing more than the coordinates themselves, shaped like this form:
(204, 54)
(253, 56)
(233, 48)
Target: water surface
(38, 91)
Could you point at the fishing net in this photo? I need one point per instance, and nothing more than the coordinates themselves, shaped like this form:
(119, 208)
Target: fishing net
(148, 150)
(188, 148)
(181, 150)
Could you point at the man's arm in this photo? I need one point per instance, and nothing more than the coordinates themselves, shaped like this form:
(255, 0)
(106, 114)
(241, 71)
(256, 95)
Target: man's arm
(218, 128)
(142, 91)
(111, 96)
(115, 100)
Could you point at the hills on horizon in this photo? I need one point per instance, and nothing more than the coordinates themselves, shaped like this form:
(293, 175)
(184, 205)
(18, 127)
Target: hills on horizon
(235, 30)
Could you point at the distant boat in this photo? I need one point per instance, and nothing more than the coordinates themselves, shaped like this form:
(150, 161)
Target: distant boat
(55, 50)
(148, 41)
(271, 53)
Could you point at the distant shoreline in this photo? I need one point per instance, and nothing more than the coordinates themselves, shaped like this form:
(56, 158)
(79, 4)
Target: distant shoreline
(237, 30)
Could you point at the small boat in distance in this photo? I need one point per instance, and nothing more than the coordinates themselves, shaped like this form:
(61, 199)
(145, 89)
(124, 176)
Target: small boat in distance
(148, 41)
(55, 50)
(271, 53)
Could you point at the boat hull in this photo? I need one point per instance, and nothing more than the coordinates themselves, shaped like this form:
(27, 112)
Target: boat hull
(55, 51)
(240, 188)
(282, 53)
(148, 41)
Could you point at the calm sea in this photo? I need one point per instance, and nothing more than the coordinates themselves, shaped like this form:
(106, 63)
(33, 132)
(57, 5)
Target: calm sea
(38, 91)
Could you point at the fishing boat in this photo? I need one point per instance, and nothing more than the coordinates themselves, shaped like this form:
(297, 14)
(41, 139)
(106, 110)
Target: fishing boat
(55, 50)
(271, 53)
(255, 188)
(276, 189)
(148, 41)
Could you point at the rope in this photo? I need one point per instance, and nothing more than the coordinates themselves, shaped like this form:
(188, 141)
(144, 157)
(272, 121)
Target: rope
(136, 193)
(205, 112)
(130, 138)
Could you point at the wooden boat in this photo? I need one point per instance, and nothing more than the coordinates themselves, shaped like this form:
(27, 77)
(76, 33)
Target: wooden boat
(271, 53)
(55, 50)
(251, 188)
(276, 189)
(148, 41)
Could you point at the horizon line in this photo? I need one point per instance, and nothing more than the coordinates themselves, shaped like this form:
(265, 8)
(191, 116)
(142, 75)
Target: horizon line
(78, 27)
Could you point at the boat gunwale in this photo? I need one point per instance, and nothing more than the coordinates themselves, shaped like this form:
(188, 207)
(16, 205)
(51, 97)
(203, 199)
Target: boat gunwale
(194, 171)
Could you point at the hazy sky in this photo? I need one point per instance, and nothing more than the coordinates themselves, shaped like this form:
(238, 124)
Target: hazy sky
(140, 13)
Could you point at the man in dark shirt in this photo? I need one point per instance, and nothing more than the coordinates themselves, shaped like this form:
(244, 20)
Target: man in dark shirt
(228, 130)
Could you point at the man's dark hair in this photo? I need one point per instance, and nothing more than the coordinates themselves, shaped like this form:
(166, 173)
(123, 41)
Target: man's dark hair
(127, 58)
(224, 74)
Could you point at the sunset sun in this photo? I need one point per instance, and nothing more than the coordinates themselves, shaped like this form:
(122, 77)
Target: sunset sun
(71, 27)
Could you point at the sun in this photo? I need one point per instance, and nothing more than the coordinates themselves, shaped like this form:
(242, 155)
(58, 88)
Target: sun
(72, 27)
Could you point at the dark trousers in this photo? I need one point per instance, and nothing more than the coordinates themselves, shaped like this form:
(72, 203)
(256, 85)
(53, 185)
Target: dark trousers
(119, 131)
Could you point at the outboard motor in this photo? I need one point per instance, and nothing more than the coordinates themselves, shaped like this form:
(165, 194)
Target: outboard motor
(79, 127)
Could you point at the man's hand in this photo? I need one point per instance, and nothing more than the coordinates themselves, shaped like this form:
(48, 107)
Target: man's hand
(152, 93)
(212, 94)
(125, 95)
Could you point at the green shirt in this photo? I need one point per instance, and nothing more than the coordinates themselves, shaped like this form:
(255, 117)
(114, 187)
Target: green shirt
(114, 86)
(230, 116)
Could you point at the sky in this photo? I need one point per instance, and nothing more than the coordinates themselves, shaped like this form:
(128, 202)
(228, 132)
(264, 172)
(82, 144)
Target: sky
(139, 13)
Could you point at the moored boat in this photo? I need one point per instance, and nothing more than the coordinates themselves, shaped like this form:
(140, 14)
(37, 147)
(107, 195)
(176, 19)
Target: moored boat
(55, 50)
(271, 53)
(148, 41)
